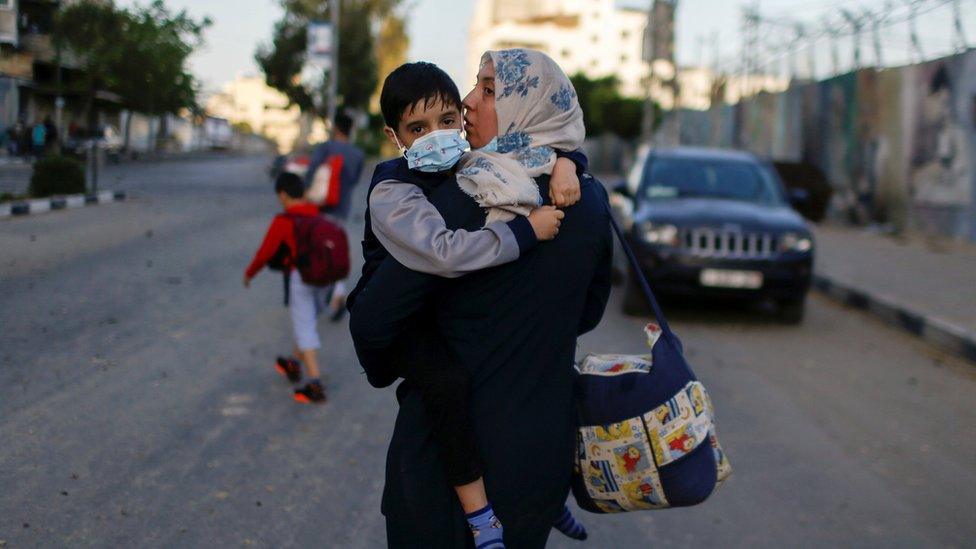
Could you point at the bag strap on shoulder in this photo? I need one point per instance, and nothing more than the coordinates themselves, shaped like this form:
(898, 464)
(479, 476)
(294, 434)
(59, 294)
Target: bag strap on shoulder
(637, 272)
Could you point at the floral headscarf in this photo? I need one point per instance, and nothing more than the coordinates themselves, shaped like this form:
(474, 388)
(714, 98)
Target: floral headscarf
(537, 113)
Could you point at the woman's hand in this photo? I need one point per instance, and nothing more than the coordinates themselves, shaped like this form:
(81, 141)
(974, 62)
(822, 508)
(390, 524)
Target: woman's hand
(564, 185)
(545, 221)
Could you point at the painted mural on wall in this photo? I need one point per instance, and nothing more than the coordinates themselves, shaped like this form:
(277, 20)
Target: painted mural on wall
(897, 144)
(941, 165)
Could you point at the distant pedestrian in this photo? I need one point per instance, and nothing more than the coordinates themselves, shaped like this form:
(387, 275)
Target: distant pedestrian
(51, 134)
(23, 139)
(352, 168)
(13, 139)
(279, 251)
(38, 139)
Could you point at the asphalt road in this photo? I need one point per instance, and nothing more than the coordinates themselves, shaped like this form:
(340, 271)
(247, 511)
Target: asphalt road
(138, 406)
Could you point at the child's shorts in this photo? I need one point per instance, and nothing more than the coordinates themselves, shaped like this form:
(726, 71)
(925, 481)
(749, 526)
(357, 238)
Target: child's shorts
(305, 303)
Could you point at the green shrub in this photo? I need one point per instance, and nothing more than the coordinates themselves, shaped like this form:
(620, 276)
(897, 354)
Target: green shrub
(57, 175)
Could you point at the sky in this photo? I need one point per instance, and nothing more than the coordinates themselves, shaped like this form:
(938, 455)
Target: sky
(437, 31)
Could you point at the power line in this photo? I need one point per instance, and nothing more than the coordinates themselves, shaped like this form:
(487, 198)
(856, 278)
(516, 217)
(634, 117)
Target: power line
(833, 29)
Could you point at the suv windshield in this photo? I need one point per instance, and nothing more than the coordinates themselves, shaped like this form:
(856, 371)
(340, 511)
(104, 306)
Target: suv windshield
(666, 178)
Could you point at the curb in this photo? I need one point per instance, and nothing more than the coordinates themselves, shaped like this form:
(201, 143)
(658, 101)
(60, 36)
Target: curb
(936, 331)
(71, 201)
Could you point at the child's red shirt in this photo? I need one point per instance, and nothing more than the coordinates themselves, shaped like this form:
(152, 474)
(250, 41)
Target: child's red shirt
(281, 232)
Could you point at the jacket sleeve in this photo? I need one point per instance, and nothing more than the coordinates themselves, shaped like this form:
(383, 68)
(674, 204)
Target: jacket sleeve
(414, 232)
(578, 158)
(269, 247)
(381, 313)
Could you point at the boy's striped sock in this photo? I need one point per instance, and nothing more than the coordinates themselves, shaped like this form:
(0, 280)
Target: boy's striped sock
(486, 529)
(567, 524)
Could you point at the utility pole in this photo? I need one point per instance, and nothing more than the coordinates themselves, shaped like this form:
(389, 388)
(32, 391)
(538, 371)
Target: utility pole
(58, 92)
(659, 50)
(958, 36)
(916, 46)
(798, 34)
(801, 33)
(647, 122)
(750, 45)
(876, 20)
(334, 7)
(856, 23)
(833, 33)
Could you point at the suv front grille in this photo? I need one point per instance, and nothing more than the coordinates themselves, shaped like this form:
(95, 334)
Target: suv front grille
(707, 242)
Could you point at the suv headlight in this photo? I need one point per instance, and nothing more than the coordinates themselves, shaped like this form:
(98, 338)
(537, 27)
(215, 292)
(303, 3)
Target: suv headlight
(794, 242)
(664, 234)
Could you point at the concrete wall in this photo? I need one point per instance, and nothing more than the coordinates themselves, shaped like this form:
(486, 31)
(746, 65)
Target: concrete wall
(897, 144)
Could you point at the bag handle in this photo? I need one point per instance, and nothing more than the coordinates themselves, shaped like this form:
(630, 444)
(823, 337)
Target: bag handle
(636, 270)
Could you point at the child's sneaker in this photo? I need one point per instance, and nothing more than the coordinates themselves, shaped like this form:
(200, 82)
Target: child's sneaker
(290, 368)
(311, 393)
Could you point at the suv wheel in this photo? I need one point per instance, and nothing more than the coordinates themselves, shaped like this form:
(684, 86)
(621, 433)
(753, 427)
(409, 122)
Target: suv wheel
(791, 310)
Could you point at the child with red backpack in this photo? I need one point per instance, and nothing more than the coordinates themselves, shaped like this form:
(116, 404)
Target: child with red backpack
(313, 252)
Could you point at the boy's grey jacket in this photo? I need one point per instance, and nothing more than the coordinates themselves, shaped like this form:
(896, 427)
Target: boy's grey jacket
(414, 232)
(514, 328)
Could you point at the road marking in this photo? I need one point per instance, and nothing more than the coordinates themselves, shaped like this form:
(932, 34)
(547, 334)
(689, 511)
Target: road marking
(236, 405)
(231, 411)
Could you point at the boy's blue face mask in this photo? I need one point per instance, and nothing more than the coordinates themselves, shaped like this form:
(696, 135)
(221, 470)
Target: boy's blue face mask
(438, 151)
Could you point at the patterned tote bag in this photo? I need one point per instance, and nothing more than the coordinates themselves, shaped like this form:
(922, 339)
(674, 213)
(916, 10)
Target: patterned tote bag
(647, 425)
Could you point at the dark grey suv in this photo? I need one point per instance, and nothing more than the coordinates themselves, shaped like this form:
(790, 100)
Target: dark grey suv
(716, 223)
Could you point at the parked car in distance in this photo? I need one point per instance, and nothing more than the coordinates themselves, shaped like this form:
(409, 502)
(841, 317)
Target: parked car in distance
(106, 138)
(707, 222)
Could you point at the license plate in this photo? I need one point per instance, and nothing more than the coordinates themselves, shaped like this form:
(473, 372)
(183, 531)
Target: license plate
(724, 278)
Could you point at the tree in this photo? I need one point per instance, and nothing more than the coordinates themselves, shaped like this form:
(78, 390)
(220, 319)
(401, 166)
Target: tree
(605, 110)
(152, 76)
(282, 60)
(92, 30)
(140, 54)
(391, 46)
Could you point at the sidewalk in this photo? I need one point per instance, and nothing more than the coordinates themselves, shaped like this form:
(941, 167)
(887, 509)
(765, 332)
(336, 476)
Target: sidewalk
(15, 173)
(924, 285)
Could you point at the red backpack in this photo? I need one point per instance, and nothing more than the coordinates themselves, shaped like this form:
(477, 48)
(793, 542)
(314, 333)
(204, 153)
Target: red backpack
(322, 256)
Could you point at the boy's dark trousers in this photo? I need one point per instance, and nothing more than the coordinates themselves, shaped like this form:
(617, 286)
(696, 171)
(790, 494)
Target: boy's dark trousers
(423, 360)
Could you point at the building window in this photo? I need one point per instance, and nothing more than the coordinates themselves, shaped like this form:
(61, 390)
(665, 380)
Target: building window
(595, 38)
(625, 34)
(594, 63)
(565, 53)
(624, 58)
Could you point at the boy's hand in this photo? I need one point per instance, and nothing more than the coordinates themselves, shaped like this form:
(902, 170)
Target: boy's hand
(247, 281)
(545, 222)
(564, 185)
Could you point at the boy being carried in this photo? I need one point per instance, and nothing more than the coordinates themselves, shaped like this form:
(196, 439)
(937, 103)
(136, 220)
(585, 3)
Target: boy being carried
(422, 109)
